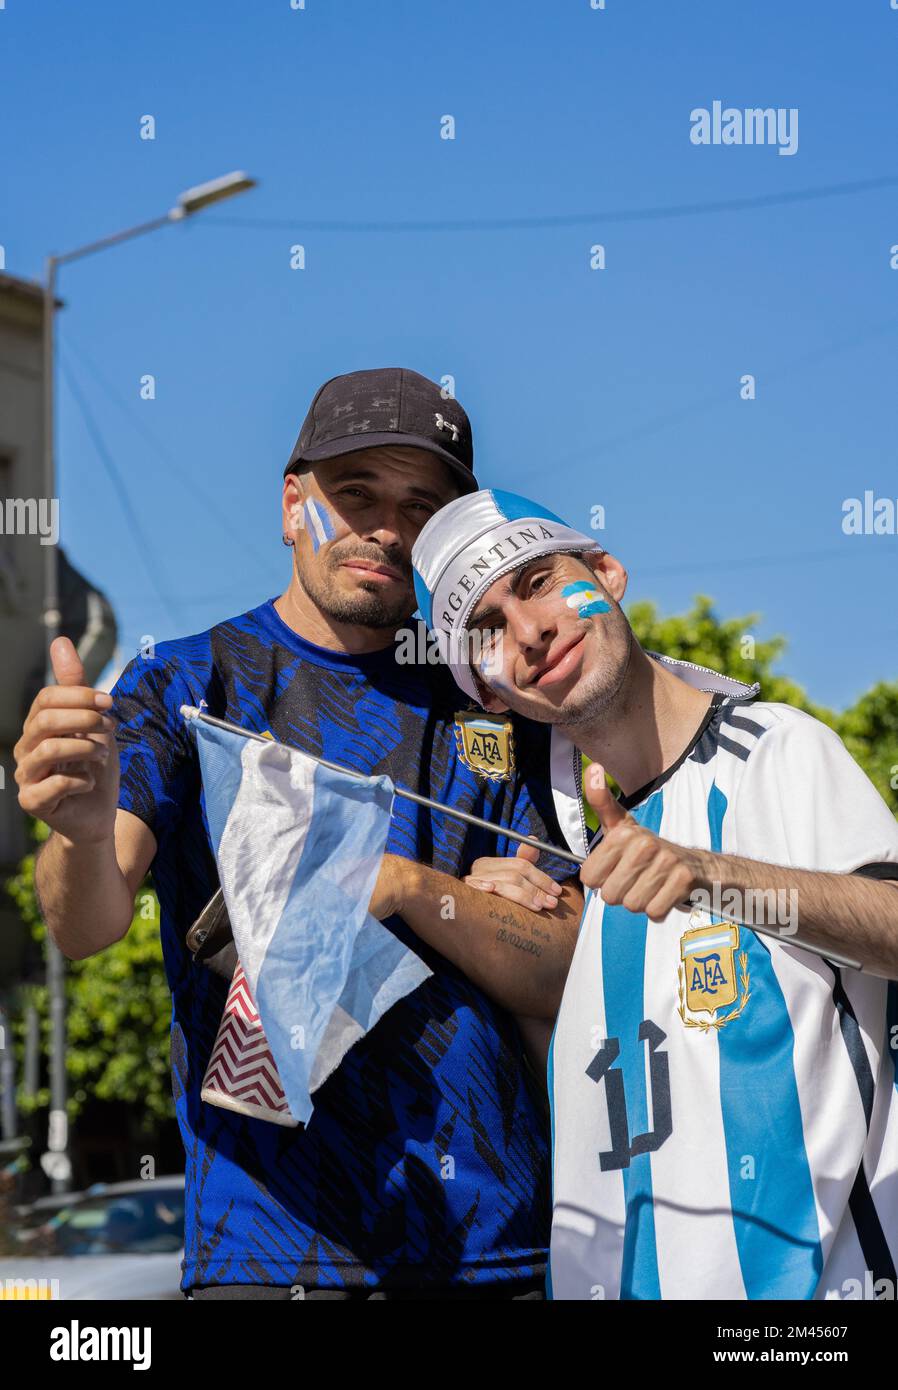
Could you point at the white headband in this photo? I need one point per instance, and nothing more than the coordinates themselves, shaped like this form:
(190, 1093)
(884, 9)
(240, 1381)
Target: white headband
(469, 544)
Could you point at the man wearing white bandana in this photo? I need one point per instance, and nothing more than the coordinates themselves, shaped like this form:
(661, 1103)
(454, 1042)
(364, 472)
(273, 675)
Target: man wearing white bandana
(725, 1115)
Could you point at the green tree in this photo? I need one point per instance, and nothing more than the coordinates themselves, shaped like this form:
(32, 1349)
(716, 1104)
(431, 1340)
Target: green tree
(870, 731)
(118, 1011)
(728, 645)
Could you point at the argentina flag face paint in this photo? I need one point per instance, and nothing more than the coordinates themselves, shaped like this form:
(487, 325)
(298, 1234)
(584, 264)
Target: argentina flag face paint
(318, 523)
(585, 598)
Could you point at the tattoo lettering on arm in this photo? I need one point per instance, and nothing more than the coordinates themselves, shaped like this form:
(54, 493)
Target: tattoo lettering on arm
(513, 932)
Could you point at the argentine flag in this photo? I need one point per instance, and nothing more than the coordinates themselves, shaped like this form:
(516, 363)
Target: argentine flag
(298, 848)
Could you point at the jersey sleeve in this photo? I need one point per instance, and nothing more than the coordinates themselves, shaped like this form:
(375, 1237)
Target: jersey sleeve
(156, 753)
(804, 802)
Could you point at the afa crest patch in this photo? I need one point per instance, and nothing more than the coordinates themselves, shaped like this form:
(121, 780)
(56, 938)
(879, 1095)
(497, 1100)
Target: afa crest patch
(711, 976)
(485, 744)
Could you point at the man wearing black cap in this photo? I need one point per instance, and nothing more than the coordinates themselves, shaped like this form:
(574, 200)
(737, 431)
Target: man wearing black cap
(423, 1170)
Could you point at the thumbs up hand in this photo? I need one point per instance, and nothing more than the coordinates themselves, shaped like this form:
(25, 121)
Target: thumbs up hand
(631, 866)
(66, 760)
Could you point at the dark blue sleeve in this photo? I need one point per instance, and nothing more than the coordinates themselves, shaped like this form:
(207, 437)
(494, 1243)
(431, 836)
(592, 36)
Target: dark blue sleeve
(532, 806)
(157, 754)
(531, 819)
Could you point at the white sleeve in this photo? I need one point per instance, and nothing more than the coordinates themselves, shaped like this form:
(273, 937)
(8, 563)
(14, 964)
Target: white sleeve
(803, 801)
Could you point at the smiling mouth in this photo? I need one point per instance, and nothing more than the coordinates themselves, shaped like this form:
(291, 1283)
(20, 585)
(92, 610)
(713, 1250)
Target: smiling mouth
(561, 666)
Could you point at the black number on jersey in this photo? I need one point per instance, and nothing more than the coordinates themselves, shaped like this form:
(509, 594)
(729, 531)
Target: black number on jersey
(602, 1068)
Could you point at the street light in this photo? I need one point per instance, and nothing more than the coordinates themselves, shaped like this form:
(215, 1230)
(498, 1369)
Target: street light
(55, 1162)
(212, 192)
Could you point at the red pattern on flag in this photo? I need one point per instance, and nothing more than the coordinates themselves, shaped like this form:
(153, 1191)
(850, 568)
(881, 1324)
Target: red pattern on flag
(241, 1074)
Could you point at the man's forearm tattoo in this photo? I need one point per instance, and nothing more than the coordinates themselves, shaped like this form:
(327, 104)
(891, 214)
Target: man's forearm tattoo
(512, 932)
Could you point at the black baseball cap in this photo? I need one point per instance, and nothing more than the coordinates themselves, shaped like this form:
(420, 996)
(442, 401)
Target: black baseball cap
(389, 405)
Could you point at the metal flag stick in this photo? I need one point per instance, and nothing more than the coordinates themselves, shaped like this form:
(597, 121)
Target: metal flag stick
(191, 712)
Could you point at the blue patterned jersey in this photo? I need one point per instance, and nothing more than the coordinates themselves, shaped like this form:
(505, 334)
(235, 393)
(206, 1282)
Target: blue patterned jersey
(426, 1159)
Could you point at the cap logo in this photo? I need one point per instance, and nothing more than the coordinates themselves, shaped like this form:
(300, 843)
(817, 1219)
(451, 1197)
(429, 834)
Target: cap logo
(442, 424)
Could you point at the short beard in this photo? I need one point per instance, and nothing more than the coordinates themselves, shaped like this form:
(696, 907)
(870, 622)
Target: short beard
(366, 608)
(602, 695)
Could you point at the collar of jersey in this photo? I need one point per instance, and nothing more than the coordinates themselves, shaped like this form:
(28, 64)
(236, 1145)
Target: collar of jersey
(724, 689)
(365, 662)
(703, 678)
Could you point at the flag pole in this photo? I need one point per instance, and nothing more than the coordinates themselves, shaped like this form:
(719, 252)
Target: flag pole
(191, 712)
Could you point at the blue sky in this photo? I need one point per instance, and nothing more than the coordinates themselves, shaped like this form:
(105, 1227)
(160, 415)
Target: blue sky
(618, 387)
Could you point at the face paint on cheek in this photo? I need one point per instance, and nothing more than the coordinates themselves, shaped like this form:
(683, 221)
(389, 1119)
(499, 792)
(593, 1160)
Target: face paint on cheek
(489, 668)
(586, 598)
(318, 523)
(502, 689)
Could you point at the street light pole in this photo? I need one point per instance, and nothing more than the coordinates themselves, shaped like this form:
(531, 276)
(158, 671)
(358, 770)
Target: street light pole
(51, 597)
(55, 1161)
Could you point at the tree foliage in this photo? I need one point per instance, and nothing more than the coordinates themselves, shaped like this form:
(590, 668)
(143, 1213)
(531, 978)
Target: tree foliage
(728, 645)
(118, 1011)
(869, 728)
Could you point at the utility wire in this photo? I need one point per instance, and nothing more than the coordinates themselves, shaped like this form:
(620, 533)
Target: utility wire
(579, 219)
(183, 475)
(120, 490)
(767, 562)
(599, 450)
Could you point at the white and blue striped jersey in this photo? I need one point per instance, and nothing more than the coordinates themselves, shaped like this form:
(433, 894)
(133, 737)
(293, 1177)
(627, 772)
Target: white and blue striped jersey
(724, 1108)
